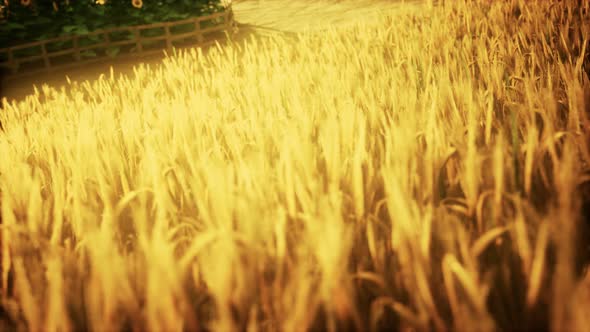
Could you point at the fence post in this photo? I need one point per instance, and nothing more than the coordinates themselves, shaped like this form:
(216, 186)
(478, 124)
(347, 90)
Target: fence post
(107, 38)
(13, 64)
(45, 57)
(76, 49)
(138, 40)
(168, 40)
(198, 32)
(229, 21)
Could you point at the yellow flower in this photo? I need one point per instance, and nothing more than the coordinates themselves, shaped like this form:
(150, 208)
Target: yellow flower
(100, 2)
(137, 3)
(25, 2)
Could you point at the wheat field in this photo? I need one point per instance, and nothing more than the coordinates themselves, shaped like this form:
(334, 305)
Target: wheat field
(425, 171)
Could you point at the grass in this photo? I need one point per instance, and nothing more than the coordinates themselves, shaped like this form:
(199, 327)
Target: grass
(429, 171)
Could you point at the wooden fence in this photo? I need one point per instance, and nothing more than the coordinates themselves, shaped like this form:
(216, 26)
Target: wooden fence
(76, 52)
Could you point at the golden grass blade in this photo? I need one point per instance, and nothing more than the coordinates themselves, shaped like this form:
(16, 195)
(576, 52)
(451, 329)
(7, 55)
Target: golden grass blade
(486, 239)
(538, 265)
(57, 316)
(24, 293)
(406, 314)
(452, 267)
(196, 247)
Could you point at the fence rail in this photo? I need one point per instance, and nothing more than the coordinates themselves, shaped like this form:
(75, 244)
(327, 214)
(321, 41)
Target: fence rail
(14, 62)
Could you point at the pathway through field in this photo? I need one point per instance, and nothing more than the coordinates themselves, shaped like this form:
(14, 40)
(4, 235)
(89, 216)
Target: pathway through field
(260, 17)
(296, 15)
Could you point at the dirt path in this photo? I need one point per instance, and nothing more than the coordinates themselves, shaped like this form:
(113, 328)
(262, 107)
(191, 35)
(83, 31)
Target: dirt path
(296, 15)
(259, 17)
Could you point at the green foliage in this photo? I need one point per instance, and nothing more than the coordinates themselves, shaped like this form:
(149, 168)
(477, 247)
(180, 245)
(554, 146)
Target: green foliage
(40, 20)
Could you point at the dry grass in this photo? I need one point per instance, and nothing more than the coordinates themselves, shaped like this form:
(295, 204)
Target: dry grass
(428, 171)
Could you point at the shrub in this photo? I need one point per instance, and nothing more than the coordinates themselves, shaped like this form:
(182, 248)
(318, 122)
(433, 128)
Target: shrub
(30, 20)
